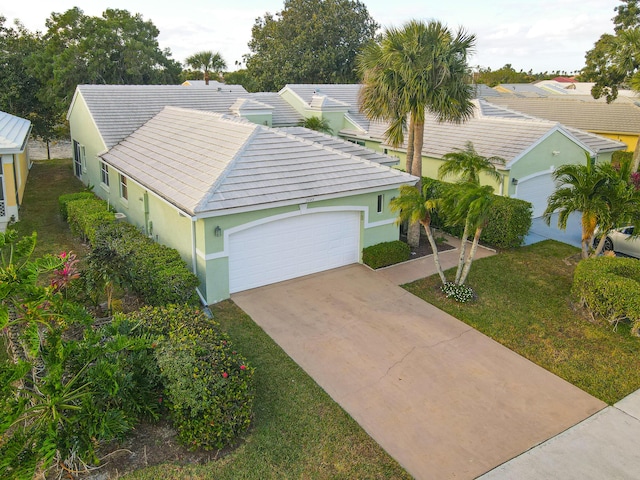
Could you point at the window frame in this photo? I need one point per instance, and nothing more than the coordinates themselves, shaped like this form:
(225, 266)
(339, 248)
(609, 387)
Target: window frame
(104, 174)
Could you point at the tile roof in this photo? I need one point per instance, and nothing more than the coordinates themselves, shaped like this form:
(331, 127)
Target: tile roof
(14, 133)
(521, 89)
(344, 93)
(213, 84)
(507, 136)
(204, 162)
(617, 117)
(118, 110)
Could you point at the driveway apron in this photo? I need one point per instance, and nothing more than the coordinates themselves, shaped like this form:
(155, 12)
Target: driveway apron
(441, 398)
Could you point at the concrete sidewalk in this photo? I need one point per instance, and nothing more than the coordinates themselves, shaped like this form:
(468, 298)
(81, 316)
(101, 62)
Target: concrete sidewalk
(422, 267)
(604, 446)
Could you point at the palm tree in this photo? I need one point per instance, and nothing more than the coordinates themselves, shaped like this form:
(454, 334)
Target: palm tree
(468, 165)
(415, 206)
(581, 188)
(470, 204)
(318, 124)
(419, 68)
(208, 62)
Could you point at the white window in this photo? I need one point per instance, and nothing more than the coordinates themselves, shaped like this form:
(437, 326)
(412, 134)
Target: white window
(380, 203)
(104, 173)
(124, 191)
(83, 159)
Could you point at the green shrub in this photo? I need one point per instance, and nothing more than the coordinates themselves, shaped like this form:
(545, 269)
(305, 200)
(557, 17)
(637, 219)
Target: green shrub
(63, 200)
(386, 253)
(154, 271)
(609, 287)
(620, 156)
(509, 220)
(86, 215)
(208, 385)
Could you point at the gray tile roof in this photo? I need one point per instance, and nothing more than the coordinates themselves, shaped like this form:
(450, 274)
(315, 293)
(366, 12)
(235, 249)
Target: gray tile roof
(204, 162)
(349, 148)
(343, 93)
(617, 117)
(214, 84)
(14, 133)
(507, 137)
(118, 110)
(522, 89)
(480, 90)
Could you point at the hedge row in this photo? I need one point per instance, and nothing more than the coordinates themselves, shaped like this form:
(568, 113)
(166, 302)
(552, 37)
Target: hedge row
(208, 386)
(385, 254)
(155, 272)
(63, 200)
(509, 220)
(609, 287)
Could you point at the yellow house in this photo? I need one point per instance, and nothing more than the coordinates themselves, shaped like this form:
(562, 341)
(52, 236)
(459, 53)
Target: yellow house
(14, 136)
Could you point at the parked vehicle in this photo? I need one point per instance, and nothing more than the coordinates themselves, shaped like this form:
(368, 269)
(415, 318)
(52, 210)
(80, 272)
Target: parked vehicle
(622, 240)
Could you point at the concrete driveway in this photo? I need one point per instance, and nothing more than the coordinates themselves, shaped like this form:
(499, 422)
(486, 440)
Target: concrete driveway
(444, 400)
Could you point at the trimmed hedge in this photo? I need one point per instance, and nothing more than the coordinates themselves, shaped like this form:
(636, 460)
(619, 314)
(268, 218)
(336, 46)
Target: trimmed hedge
(63, 200)
(385, 254)
(86, 215)
(609, 287)
(208, 386)
(154, 271)
(509, 220)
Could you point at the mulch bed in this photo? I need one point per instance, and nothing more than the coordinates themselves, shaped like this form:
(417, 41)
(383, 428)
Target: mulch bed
(424, 248)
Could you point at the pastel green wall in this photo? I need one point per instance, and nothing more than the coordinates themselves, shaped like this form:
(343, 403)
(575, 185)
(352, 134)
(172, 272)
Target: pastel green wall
(262, 119)
(84, 131)
(375, 228)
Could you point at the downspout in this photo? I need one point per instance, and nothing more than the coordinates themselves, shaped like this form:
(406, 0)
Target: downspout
(194, 267)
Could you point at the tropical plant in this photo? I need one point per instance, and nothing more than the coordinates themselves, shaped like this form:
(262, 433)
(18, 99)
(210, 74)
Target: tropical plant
(467, 164)
(416, 206)
(207, 61)
(318, 124)
(419, 68)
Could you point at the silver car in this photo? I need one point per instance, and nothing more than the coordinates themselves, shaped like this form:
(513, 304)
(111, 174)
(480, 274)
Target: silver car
(621, 240)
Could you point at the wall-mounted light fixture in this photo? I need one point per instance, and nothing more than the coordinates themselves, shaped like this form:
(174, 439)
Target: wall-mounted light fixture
(514, 181)
(217, 231)
(555, 153)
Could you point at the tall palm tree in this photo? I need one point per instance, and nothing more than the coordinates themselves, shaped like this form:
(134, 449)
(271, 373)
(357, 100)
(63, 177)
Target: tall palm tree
(419, 68)
(468, 165)
(581, 188)
(318, 124)
(416, 206)
(208, 62)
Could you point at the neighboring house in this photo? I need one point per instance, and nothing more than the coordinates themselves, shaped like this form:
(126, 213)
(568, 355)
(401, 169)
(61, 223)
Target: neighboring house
(521, 90)
(531, 147)
(214, 84)
(619, 120)
(14, 136)
(245, 204)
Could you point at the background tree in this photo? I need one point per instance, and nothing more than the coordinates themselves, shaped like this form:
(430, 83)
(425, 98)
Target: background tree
(241, 77)
(116, 48)
(318, 124)
(506, 74)
(207, 61)
(419, 68)
(309, 41)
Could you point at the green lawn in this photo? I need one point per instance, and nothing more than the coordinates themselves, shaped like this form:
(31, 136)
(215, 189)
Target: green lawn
(48, 179)
(524, 303)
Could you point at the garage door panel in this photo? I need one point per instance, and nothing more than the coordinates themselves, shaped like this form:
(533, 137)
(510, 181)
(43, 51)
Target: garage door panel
(537, 191)
(292, 247)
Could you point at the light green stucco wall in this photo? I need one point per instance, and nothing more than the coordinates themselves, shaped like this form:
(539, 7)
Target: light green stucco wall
(263, 119)
(216, 287)
(84, 131)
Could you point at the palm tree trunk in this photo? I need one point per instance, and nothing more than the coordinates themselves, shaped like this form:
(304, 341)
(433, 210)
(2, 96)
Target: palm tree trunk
(434, 247)
(463, 251)
(636, 157)
(409, 162)
(413, 235)
(472, 254)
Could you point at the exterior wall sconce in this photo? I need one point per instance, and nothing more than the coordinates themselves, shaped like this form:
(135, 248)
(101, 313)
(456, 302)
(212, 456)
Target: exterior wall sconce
(217, 231)
(514, 181)
(555, 153)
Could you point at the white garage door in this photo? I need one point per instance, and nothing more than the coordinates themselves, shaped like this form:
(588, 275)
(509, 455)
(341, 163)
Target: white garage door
(292, 247)
(536, 190)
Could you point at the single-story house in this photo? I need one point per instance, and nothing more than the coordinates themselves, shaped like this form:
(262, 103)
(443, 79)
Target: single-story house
(14, 137)
(531, 147)
(245, 204)
(619, 120)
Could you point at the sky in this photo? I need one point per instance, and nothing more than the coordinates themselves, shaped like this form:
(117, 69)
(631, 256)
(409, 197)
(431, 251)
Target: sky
(538, 35)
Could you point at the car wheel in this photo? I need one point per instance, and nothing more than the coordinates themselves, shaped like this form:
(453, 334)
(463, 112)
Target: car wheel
(608, 245)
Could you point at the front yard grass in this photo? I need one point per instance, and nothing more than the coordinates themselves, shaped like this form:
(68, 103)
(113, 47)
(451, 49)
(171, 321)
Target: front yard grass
(298, 431)
(524, 303)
